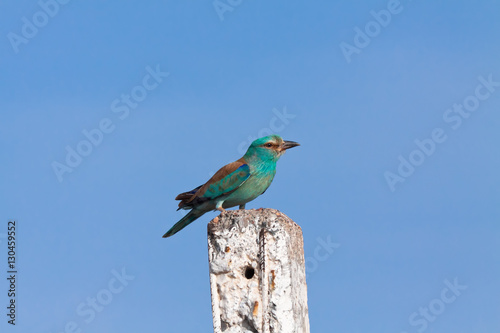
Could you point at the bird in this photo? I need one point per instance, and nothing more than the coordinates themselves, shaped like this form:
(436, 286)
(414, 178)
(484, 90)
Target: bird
(236, 183)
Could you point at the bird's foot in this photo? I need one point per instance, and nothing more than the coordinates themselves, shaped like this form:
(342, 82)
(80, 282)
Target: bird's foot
(242, 206)
(220, 209)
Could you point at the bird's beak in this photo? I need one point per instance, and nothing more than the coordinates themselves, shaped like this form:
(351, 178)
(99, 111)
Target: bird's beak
(289, 144)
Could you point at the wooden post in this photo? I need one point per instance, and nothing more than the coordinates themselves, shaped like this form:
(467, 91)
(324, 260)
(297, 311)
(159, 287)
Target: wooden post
(257, 273)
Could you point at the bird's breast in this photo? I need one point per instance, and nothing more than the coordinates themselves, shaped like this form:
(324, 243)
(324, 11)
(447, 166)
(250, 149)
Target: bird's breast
(254, 186)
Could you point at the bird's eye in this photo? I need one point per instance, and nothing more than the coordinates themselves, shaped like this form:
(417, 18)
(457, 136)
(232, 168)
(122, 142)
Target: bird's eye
(269, 145)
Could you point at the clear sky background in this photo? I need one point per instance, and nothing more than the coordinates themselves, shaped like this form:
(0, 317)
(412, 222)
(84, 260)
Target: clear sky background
(260, 67)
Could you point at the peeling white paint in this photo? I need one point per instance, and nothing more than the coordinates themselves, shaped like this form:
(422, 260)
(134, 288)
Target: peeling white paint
(274, 299)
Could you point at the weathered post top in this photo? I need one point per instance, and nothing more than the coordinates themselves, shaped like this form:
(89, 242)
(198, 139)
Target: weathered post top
(257, 273)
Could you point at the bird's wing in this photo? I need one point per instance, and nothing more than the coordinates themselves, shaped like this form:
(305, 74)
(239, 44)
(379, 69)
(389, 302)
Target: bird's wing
(187, 195)
(225, 181)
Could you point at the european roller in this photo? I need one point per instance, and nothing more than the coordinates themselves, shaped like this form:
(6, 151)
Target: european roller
(236, 183)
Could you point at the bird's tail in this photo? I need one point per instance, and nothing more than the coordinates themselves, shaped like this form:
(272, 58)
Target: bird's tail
(190, 217)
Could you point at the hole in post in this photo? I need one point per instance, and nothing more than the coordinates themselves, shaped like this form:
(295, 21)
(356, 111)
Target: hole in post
(249, 272)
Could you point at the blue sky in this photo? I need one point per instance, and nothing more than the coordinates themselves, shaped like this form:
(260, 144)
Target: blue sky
(428, 74)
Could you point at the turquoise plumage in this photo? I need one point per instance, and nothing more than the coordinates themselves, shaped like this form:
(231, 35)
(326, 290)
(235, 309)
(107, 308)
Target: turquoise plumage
(236, 183)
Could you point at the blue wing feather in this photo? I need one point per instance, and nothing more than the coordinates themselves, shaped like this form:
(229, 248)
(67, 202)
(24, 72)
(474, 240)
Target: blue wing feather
(229, 183)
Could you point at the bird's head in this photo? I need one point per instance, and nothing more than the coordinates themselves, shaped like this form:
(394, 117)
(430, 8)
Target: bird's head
(269, 148)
